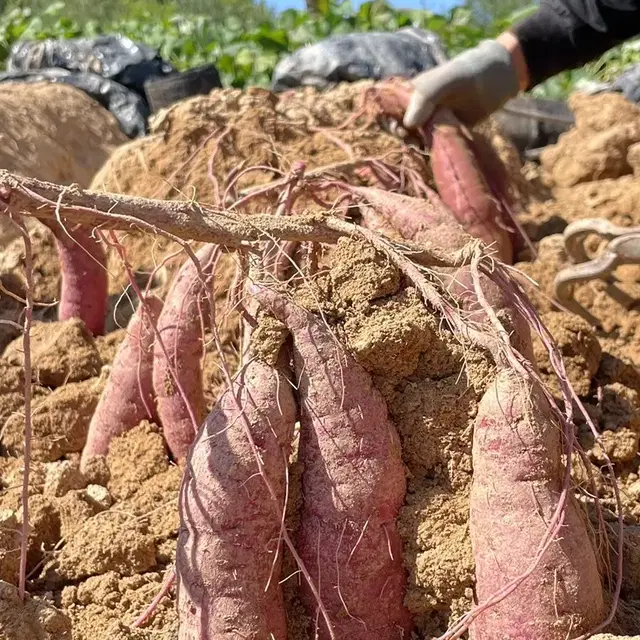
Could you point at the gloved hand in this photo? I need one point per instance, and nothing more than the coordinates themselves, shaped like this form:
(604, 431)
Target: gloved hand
(473, 85)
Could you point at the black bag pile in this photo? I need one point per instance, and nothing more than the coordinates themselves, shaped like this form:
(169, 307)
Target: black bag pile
(112, 69)
(358, 56)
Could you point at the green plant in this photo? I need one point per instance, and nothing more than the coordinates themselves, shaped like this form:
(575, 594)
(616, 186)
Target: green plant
(245, 40)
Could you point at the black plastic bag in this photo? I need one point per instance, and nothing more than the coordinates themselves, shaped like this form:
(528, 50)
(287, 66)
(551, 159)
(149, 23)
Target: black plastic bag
(532, 123)
(627, 83)
(359, 56)
(113, 57)
(112, 69)
(130, 109)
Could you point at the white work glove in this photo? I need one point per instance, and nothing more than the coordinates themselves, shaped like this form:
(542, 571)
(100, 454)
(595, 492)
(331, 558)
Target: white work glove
(473, 85)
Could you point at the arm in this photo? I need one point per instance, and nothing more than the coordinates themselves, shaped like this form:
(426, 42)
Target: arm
(566, 34)
(562, 34)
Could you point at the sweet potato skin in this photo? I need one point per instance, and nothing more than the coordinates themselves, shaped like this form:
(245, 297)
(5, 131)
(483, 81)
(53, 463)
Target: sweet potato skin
(457, 170)
(180, 328)
(129, 390)
(228, 549)
(463, 188)
(84, 286)
(410, 218)
(353, 485)
(419, 220)
(517, 480)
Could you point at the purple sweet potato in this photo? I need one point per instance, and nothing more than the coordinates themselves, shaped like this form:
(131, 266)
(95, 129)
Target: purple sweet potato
(463, 187)
(517, 482)
(127, 398)
(353, 486)
(84, 286)
(180, 328)
(460, 179)
(229, 552)
(420, 220)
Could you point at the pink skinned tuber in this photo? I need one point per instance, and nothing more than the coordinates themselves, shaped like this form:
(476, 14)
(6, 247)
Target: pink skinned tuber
(127, 398)
(353, 486)
(84, 278)
(180, 327)
(463, 188)
(518, 479)
(232, 498)
(458, 171)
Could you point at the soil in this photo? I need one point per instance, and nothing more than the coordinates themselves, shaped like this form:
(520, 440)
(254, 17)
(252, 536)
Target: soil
(102, 542)
(55, 132)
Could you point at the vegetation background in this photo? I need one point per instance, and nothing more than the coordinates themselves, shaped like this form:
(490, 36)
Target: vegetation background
(246, 38)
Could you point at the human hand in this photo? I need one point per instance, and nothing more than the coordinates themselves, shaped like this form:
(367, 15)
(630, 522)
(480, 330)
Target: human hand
(473, 85)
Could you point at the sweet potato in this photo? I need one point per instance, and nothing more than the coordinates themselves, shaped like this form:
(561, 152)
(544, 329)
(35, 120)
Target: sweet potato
(419, 220)
(353, 485)
(463, 187)
(180, 327)
(518, 476)
(127, 398)
(457, 171)
(517, 483)
(229, 552)
(410, 218)
(84, 286)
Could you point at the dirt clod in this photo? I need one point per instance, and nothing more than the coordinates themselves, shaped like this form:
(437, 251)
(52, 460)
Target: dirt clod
(119, 544)
(61, 352)
(137, 456)
(60, 422)
(37, 618)
(580, 350)
(62, 477)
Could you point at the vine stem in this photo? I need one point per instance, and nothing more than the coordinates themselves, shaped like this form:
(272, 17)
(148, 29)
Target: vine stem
(26, 346)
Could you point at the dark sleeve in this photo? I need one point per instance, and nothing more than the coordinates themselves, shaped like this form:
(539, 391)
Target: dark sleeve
(566, 34)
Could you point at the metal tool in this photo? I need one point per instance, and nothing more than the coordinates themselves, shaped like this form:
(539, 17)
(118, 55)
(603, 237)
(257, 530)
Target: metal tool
(623, 248)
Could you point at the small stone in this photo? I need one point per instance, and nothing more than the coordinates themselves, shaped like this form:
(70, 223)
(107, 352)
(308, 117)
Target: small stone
(63, 477)
(99, 496)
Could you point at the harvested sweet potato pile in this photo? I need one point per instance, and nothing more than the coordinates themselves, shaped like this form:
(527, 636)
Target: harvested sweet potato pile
(103, 539)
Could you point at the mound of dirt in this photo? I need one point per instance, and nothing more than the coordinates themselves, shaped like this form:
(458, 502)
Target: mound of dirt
(103, 541)
(590, 174)
(198, 147)
(101, 545)
(55, 132)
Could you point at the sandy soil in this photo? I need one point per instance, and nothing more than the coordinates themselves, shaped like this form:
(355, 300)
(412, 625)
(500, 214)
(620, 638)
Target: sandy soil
(102, 542)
